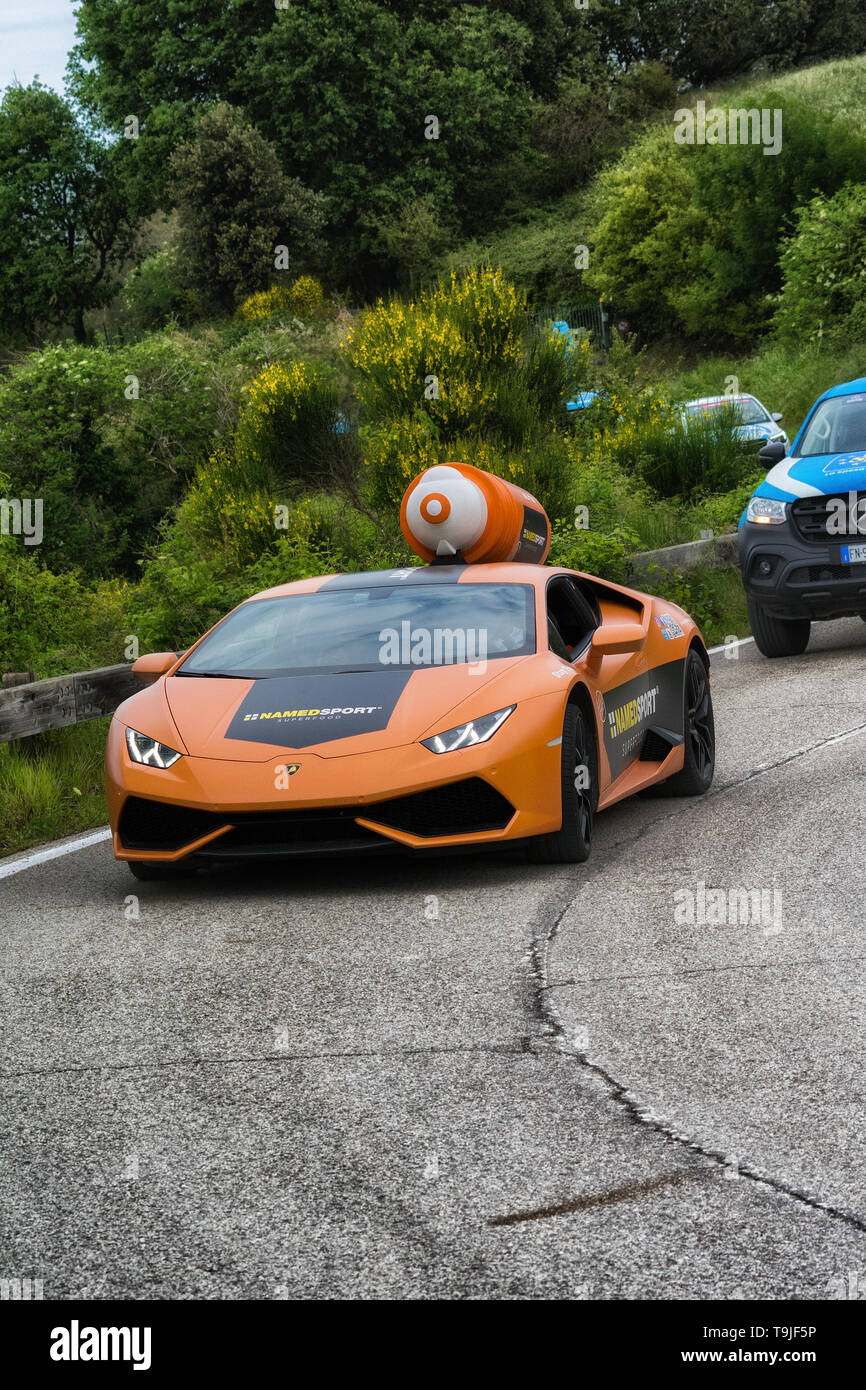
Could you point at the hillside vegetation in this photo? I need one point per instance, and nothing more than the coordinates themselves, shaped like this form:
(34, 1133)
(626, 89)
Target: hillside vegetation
(200, 427)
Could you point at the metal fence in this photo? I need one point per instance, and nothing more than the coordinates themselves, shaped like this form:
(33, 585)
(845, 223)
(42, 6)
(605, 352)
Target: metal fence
(591, 314)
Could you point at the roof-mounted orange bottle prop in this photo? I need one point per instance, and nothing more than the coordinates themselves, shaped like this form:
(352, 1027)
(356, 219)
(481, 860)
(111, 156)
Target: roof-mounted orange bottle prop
(455, 512)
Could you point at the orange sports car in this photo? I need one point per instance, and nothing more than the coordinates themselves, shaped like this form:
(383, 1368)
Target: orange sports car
(437, 706)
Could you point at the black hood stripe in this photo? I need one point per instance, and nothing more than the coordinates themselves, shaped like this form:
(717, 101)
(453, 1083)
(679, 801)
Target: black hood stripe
(299, 711)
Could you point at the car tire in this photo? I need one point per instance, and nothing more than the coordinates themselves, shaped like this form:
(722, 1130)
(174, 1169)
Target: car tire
(156, 873)
(778, 636)
(699, 763)
(571, 844)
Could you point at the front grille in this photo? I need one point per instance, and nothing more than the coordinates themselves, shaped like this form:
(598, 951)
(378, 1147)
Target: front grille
(297, 832)
(813, 517)
(159, 825)
(461, 808)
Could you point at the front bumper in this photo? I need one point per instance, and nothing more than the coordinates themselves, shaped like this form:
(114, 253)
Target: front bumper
(807, 579)
(203, 809)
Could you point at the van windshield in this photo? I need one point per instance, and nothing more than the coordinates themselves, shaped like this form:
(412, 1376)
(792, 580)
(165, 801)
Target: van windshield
(838, 426)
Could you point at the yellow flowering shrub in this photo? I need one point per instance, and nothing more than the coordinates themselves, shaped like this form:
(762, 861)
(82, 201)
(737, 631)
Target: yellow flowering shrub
(226, 514)
(305, 297)
(287, 421)
(445, 352)
(461, 373)
(394, 453)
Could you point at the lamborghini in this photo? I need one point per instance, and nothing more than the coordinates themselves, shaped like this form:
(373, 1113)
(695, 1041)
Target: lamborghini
(407, 710)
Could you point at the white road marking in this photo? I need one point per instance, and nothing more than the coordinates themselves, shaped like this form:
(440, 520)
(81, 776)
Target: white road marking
(727, 646)
(40, 856)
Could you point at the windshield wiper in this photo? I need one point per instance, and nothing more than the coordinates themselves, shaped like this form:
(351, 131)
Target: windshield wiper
(217, 675)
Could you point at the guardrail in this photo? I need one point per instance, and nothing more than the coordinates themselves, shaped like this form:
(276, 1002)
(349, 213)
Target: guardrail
(718, 552)
(29, 707)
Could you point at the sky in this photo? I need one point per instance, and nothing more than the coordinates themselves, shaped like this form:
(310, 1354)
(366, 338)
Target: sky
(35, 39)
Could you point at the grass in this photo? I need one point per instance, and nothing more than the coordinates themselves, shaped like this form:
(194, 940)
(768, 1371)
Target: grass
(52, 785)
(715, 598)
(670, 522)
(835, 87)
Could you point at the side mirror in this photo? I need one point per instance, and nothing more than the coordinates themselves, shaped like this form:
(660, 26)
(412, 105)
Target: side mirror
(154, 665)
(773, 453)
(612, 639)
(777, 415)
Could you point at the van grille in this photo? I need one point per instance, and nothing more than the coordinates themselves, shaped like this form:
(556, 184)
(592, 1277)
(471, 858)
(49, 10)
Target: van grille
(812, 517)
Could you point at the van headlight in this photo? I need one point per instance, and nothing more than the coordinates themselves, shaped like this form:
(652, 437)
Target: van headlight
(767, 511)
(467, 735)
(148, 751)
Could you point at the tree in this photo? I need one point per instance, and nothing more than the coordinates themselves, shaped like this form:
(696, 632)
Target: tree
(67, 217)
(236, 207)
(378, 112)
(707, 43)
(343, 90)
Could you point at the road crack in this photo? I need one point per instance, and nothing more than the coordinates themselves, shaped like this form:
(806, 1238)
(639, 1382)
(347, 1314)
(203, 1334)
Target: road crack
(520, 1046)
(551, 1034)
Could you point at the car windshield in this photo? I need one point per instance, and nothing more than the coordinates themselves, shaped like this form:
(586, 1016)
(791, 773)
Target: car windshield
(363, 629)
(837, 426)
(745, 410)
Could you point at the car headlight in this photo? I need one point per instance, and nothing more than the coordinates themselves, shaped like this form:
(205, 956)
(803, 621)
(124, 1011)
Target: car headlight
(148, 751)
(767, 511)
(467, 735)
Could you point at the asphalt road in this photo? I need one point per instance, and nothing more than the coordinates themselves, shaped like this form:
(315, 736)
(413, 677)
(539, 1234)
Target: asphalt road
(467, 1077)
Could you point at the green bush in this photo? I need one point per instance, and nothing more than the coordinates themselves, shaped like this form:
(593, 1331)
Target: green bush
(824, 270)
(687, 236)
(715, 598)
(152, 294)
(677, 457)
(646, 436)
(606, 554)
(55, 623)
(108, 439)
(52, 447)
(536, 251)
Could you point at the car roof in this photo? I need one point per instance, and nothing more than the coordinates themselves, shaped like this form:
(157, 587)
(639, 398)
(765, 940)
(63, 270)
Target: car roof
(720, 400)
(506, 572)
